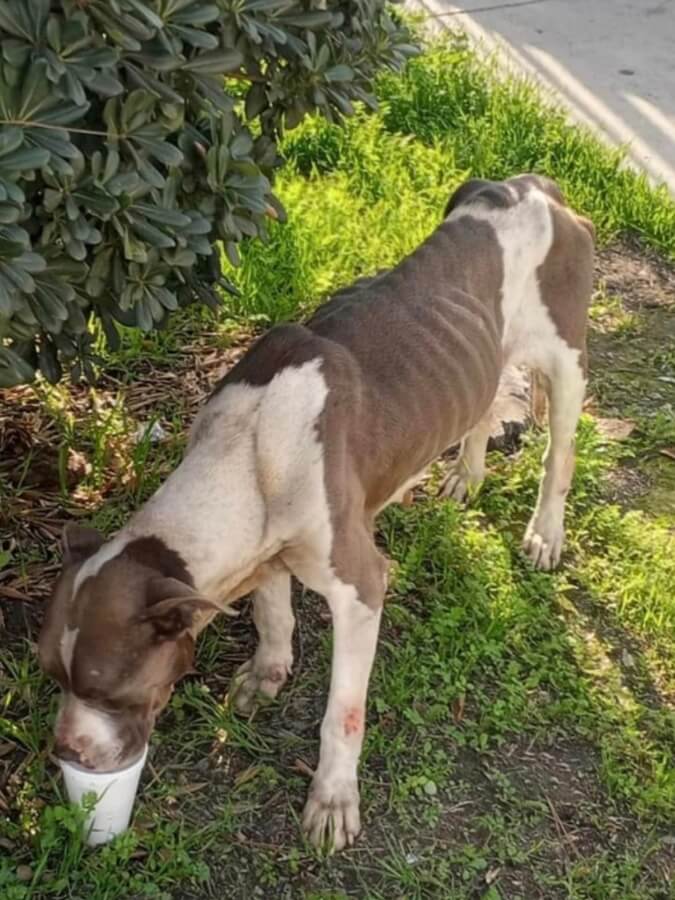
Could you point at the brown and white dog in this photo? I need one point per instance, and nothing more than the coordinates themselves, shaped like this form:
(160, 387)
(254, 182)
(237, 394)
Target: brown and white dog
(308, 437)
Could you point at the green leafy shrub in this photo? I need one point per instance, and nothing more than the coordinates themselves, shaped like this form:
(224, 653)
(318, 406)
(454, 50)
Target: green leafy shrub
(137, 134)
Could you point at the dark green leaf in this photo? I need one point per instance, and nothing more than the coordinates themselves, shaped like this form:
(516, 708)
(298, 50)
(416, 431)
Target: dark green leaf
(241, 145)
(62, 114)
(124, 183)
(267, 5)
(32, 262)
(256, 100)
(182, 257)
(76, 249)
(49, 362)
(112, 335)
(105, 85)
(152, 235)
(18, 276)
(73, 88)
(213, 62)
(161, 60)
(144, 11)
(24, 159)
(200, 39)
(144, 315)
(164, 152)
(197, 14)
(232, 253)
(9, 213)
(55, 141)
(169, 217)
(165, 297)
(11, 138)
(316, 19)
(13, 369)
(339, 73)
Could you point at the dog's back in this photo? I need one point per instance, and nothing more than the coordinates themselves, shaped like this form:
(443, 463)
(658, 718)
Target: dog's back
(412, 358)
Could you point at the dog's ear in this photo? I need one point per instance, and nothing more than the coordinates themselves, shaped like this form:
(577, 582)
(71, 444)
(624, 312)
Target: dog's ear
(172, 608)
(79, 542)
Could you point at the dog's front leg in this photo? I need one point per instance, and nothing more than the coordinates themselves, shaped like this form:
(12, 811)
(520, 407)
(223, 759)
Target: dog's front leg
(263, 676)
(331, 815)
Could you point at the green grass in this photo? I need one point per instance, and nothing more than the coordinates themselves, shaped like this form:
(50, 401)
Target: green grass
(381, 198)
(495, 128)
(521, 730)
(366, 194)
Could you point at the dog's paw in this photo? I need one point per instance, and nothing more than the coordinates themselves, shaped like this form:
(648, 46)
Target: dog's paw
(331, 817)
(459, 484)
(543, 545)
(455, 486)
(257, 682)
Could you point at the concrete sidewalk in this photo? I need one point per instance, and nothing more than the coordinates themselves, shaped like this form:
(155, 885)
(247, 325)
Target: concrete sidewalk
(610, 62)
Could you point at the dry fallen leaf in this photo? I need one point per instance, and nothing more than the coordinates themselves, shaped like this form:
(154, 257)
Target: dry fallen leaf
(615, 429)
(78, 467)
(246, 775)
(192, 788)
(301, 766)
(491, 875)
(12, 594)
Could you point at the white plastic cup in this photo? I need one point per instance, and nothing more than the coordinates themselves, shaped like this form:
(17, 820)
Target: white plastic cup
(116, 792)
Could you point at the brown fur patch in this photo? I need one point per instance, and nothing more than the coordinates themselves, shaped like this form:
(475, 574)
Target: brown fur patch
(566, 277)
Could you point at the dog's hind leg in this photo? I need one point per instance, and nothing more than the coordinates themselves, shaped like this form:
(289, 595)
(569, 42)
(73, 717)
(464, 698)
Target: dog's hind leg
(263, 676)
(468, 470)
(565, 384)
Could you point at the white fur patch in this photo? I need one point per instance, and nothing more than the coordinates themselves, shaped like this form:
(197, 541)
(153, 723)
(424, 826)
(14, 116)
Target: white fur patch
(90, 732)
(95, 724)
(252, 479)
(67, 647)
(95, 563)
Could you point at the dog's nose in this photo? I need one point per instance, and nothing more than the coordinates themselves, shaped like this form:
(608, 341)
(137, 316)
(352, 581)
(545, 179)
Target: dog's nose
(67, 754)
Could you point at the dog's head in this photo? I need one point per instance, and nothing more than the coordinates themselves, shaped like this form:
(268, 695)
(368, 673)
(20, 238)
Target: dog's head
(117, 635)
